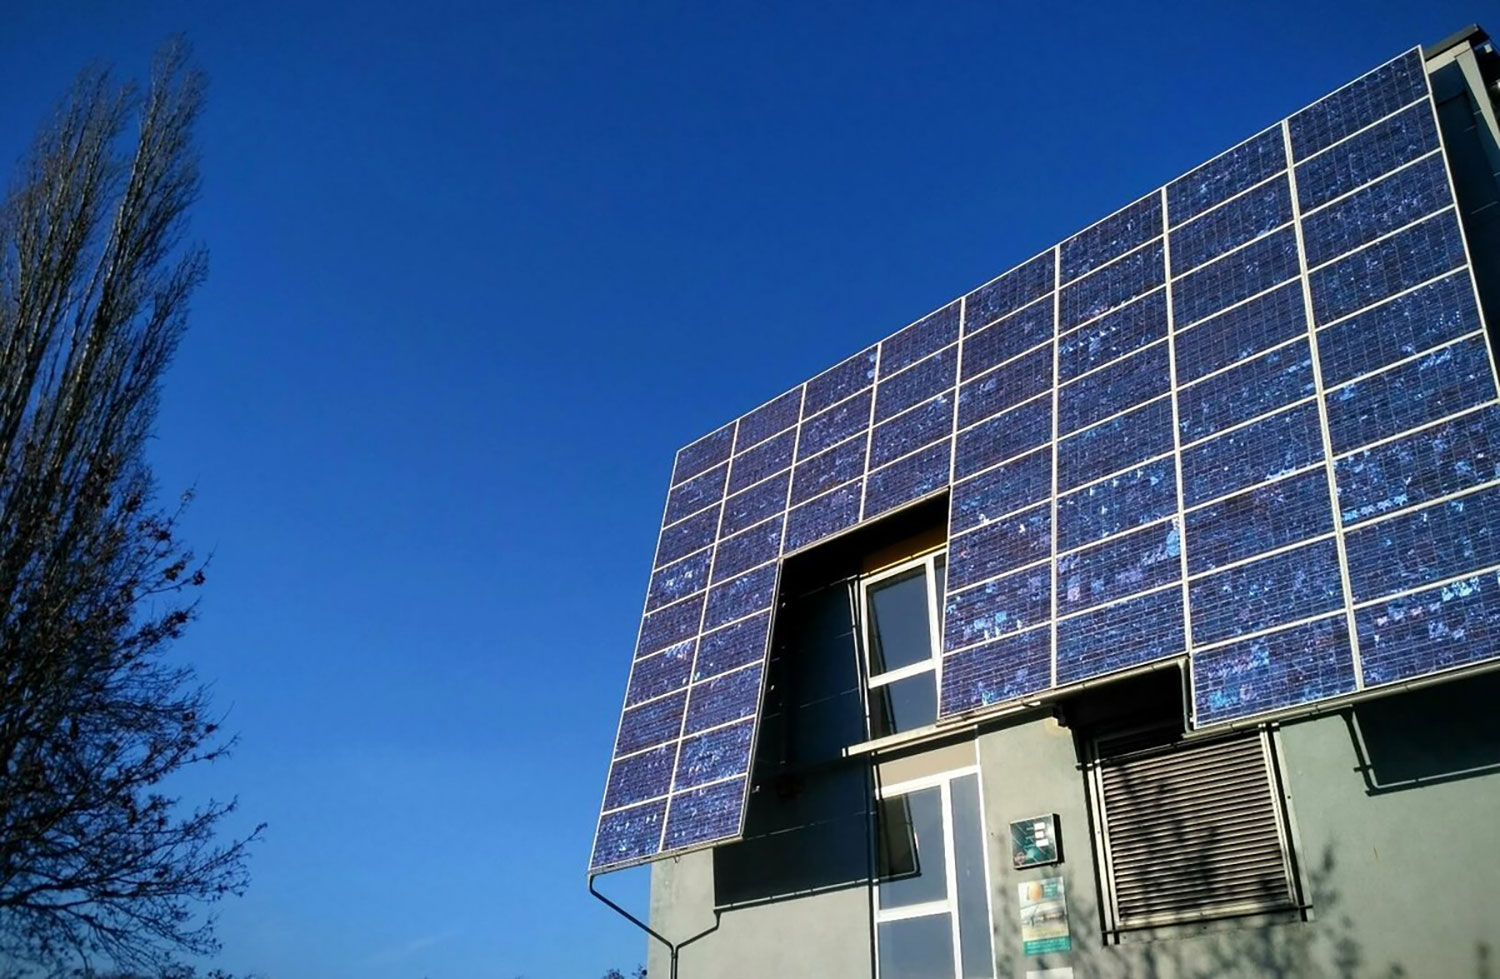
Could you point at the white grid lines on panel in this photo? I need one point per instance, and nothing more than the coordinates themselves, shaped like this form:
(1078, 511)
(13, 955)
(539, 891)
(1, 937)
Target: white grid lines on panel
(1052, 523)
(1227, 253)
(1258, 185)
(1373, 241)
(1412, 431)
(1329, 462)
(1179, 518)
(1370, 183)
(1367, 126)
(708, 582)
(1493, 569)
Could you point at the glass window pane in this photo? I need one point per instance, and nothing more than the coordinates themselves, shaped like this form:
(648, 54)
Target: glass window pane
(927, 877)
(899, 634)
(896, 839)
(903, 705)
(916, 948)
(968, 863)
(942, 578)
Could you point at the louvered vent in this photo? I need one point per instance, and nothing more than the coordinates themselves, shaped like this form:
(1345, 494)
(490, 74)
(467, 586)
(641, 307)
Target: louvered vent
(1192, 831)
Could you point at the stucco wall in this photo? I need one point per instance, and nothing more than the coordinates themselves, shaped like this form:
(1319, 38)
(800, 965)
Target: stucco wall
(1403, 883)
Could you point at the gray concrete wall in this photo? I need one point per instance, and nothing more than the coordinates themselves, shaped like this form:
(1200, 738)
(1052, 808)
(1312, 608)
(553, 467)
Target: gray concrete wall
(1403, 883)
(826, 935)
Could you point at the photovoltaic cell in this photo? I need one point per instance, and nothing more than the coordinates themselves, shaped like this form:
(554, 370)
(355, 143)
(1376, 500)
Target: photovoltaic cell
(1129, 499)
(997, 672)
(1360, 159)
(1419, 320)
(1011, 291)
(1120, 566)
(1249, 390)
(927, 335)
(1223, 413)
(1005, 387)
(1111, 337)
(1119, 636)
(1429, 631)
(1450, 457)
(1240, 274)
(1256, 212)
(916, 383)
(908, 479)
(1226, 175)
(1008, 338)
(1356, 105)
(1002, 490)
(771, 418)
(1112, 285)
(1386, 267)
(1282, 669)
(755, 464)
(1113, 388)
(1114, 236)
(1390, 203)
(1241, 332)
(1265, 593)
(1003, 605)
(1409, 395)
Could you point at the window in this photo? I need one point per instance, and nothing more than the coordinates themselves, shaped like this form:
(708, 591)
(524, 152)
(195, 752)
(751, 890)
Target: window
(932, 916)
(1191, 830)
(902, 615)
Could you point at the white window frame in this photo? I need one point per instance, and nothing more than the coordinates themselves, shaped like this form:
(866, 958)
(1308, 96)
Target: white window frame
(943, 781)
(934, 661)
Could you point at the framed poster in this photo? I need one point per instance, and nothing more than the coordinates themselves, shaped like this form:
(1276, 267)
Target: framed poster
(1044, 916)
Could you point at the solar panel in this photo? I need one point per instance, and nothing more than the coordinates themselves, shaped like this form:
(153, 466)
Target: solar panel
(1247, 420)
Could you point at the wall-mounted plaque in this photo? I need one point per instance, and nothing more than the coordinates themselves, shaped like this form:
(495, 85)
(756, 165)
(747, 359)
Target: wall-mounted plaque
(1033, 842)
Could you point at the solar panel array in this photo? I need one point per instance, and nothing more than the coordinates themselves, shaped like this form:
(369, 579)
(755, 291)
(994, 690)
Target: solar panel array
(1247, 419)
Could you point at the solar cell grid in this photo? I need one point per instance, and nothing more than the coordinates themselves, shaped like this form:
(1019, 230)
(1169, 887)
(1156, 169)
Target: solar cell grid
(1190, 425)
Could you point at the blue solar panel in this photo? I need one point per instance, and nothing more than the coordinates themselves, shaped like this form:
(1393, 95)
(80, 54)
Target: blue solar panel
(1297, 665)
(1001, 491)
(1020, 379)
(1120, 566)
(1138, 464)
(997, 672)
(1111, 286)
(1226, 175)
(907, 479)
(1118, 503)
(1014, 602)
(1110, 337)
(1109, 239)
(1254, 213)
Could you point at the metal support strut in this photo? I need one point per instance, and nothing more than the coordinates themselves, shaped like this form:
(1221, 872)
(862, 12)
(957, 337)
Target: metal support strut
(672, 950)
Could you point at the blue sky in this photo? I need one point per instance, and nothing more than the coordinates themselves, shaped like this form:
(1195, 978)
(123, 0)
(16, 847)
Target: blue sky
(477, 271)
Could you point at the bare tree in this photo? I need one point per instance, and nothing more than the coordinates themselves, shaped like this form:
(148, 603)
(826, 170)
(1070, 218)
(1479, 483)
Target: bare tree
(97, 862)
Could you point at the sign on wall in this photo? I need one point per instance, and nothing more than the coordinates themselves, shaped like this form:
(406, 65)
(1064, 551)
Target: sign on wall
(1044, 916)
(1033, 842)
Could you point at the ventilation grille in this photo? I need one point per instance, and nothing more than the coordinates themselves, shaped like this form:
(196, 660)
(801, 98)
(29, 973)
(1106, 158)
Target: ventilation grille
(1193, 831)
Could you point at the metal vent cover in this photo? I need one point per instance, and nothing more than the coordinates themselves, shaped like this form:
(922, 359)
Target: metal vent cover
(1192, 831)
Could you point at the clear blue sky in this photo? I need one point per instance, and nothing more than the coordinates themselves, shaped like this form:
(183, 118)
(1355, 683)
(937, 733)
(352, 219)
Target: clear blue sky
(478, 269)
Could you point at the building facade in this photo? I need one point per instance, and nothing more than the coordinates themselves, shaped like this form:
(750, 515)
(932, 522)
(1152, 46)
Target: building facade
(1135, 614)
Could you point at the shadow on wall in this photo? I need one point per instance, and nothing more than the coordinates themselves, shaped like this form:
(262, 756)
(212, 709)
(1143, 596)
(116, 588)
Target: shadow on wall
(1434, 734)
(1325, 949)
(807, 823)
(1443, 733)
